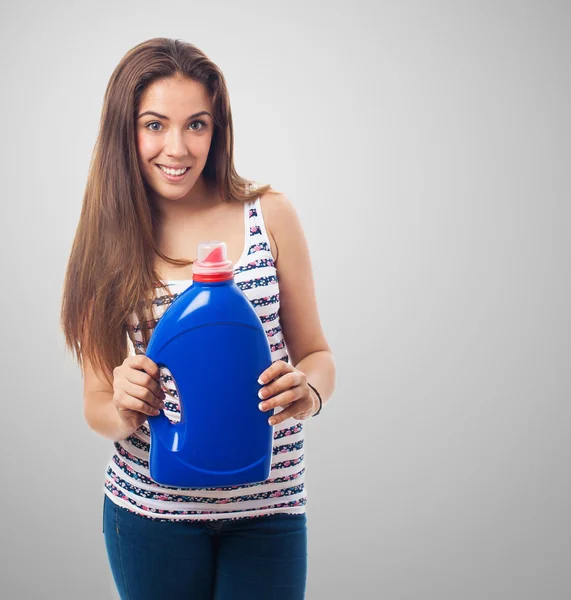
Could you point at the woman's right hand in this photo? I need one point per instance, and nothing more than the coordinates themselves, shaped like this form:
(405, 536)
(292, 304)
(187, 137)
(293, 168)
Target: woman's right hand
(136, 390)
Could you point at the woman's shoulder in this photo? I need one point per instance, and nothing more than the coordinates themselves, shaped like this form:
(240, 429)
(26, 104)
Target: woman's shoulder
(275, 206)
(280, 217)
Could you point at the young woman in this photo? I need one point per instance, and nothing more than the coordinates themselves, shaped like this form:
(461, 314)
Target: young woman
(161, 180)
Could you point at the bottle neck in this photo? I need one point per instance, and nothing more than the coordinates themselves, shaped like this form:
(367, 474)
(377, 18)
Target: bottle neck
(212, 278)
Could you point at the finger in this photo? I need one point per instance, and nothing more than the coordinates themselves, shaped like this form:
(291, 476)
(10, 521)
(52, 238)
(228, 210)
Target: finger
(285, 414)
(138, 406)
(143, 379)
(281, 384)
(273, 371)
(140, 361)
(283, 399)
(144, 394)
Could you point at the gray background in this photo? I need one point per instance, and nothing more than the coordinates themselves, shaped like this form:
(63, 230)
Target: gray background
(426, 147)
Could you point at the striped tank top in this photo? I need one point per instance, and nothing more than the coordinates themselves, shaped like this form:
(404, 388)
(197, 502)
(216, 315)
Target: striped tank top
(127, 479)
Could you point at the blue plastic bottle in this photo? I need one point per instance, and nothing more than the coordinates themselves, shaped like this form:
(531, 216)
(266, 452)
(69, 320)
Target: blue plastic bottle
(214, 344)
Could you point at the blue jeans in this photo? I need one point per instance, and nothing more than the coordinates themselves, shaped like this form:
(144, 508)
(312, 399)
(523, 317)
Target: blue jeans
(264, 558)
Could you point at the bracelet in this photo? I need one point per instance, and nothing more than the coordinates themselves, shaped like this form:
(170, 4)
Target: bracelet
(320, 402)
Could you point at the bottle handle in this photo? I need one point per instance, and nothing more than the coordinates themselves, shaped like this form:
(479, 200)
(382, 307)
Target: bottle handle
(161, 425)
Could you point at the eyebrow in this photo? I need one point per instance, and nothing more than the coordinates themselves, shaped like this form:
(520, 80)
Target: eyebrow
(151, 112)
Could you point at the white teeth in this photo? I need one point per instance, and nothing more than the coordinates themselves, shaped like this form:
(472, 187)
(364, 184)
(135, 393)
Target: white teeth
(173, 171)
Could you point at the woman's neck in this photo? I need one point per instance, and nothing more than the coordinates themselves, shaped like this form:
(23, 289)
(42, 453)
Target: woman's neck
(201, 198)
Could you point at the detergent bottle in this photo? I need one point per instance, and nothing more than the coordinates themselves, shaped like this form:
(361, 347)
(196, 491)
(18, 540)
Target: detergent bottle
(215, 347)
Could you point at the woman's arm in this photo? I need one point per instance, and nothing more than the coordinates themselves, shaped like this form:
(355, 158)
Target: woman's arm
(99, 411)
(102, 417)
(307, 347)
(320, 370)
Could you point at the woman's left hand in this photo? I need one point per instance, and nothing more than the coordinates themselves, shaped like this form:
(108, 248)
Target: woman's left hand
(288, 389)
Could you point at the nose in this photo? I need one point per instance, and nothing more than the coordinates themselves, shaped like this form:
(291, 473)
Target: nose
(174, 145)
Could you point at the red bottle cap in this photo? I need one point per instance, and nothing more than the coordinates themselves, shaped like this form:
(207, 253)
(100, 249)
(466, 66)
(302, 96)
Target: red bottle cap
(212, 263)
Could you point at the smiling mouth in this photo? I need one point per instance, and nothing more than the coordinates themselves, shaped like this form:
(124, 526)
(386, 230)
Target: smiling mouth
(173, 178)
(163, 167)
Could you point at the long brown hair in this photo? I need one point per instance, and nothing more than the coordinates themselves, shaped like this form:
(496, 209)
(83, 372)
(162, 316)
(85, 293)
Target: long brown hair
(110, 273)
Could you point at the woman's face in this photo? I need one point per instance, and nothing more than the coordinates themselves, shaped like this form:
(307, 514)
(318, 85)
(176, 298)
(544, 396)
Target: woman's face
(176, 131)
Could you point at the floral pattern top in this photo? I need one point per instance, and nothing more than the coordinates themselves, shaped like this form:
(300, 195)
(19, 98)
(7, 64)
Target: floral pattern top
(127, 478)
